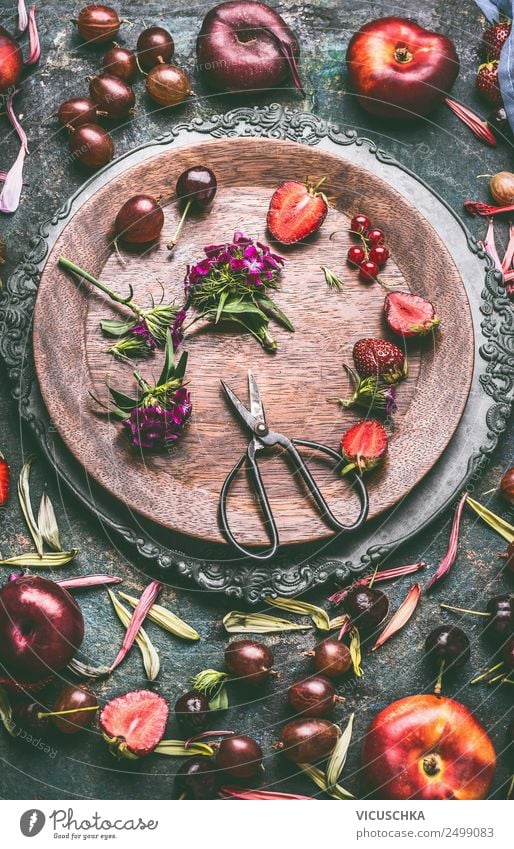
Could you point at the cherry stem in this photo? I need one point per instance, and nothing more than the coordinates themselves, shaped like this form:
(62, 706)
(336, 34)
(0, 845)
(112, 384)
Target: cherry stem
(439, 683)
(205, 735)
(117, 252)
(65, 712)
(171, 244)
(126, 302)
(373, 577)
(464, 610)
(486, 673)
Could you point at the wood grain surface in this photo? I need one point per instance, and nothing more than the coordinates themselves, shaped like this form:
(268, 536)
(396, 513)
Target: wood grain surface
(179, 489)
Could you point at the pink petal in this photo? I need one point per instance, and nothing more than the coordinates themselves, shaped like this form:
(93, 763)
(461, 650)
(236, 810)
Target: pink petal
(509, 253)
(22, 16)
(260, 795)
(401, 616)
(34, 45)
(376, 577)
(139, 615)
(88, 581)
(10, 194)
(449, 558)
(14, 120)
(489, 245)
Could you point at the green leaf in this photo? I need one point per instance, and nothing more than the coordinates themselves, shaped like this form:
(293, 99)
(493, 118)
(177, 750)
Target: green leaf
(169, 362)
(277, 312)
(209, 681)
(221, 303)
(495, 522)
(26, 505)
(32, 560)
(176, 749)
(316, 775)
(123, 402)
(317, 614)
(338, 757)
(116, 328)
(6, 712)
(47, 523)
(242, 307)
(150, 657)
(180, 369)
(236, 622)
(220, 700)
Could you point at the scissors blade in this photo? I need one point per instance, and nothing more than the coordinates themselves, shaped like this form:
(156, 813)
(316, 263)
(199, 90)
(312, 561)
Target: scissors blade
(256, 405)
(244, 414)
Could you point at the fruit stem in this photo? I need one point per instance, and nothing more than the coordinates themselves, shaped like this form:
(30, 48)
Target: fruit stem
(127, 302)
(42, 715)
(439, 683)
(431, 764)
(373, 577)
(204, 735)
(486, 673)
(171, 244)
(464, 610)
(403, 55)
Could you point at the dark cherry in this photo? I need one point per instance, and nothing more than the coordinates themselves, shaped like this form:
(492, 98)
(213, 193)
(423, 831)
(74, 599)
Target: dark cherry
(366, 606)
(112, 95)
(91, 145)
(192, 712)
(25, 715)
(73, 697)
(239, 756)
(498, 123)
(314, 696)
(198, 185)
(249, 661)
(98, 23)
(120, 62)
(448, 643)
(332, 658)
(154, 46)
(501, 624)
(78, 111)
(197, 778)
(139, 220)
(308, 740)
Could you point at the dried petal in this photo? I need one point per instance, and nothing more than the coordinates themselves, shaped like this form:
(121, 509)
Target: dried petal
(476, 124)
(47, 523)
(303, 608)
(150, 656)
(34, 45)
(144, 604)
(316, 775)
(176, 749)
(449, 558)
(52, 560)
(338, 757)
(260, 795)
(401, 616)
(26, 505)
(23, 18)
(236, 622)
(84, 670)
(475, 207)
(355, 652)
(6, 712)
(88, 581)
(166, 619)
(495, 522)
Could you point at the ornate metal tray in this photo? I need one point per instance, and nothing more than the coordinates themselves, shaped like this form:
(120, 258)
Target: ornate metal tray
(298, 567)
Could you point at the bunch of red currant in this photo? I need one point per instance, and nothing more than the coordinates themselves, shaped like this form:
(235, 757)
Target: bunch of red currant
(371, 254)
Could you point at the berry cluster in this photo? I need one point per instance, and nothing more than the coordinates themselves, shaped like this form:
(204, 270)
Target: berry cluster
(371, 254)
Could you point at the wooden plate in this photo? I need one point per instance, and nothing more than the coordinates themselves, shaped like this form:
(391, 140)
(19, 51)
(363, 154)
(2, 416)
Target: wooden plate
(179, 490)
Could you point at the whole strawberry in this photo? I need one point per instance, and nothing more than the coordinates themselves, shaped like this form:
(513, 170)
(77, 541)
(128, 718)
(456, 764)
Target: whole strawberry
(380, 358)
(5, 480)
(494, 38)
(487, 83)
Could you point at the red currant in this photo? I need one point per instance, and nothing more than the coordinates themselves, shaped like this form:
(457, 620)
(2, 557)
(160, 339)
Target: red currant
(375, 236)
(368, 271)
(356, 255)
(360, 223)
(379, 254)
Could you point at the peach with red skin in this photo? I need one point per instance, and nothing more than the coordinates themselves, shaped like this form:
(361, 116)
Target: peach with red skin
(11, 61)
(428, 747)
(399, 69)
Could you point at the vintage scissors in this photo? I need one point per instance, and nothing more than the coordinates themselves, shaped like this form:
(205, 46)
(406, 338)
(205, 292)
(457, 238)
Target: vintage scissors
(263, 437)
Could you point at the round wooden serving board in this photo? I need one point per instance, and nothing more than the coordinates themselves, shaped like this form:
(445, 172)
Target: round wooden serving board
(179, 489)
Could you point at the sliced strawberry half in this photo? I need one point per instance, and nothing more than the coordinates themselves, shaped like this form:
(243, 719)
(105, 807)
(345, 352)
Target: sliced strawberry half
(364, 446)
(134, 724)
(380, 358)
(296, 210)
(409, 315)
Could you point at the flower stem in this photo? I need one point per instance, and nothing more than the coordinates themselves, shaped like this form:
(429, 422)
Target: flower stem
(65, 712)
(127, 302)
(171, 244)
(486, 673)
(439, 683)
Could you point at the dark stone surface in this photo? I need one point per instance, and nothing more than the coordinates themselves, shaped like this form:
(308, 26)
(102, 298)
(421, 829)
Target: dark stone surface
(444, 154)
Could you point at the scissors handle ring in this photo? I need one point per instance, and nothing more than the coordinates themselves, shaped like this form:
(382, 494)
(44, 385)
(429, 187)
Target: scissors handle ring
(269, 521)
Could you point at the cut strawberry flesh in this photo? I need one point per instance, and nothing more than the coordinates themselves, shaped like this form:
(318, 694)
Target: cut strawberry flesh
(364, 444)
(135, 722)
(295, 211)
(409, 315)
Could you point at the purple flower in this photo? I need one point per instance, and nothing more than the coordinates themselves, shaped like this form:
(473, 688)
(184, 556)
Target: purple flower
(141, 330)
(391, 405)
(252, 262)
(176, 330)
(154, 427)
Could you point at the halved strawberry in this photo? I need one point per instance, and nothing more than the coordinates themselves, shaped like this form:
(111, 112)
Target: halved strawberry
(5, 480)
(380, 358)
(134, 724)
(364, 445)
(296, 210)
(409, 315)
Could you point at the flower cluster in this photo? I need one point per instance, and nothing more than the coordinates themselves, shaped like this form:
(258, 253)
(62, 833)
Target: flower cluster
(154, 427)
(242, 261)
